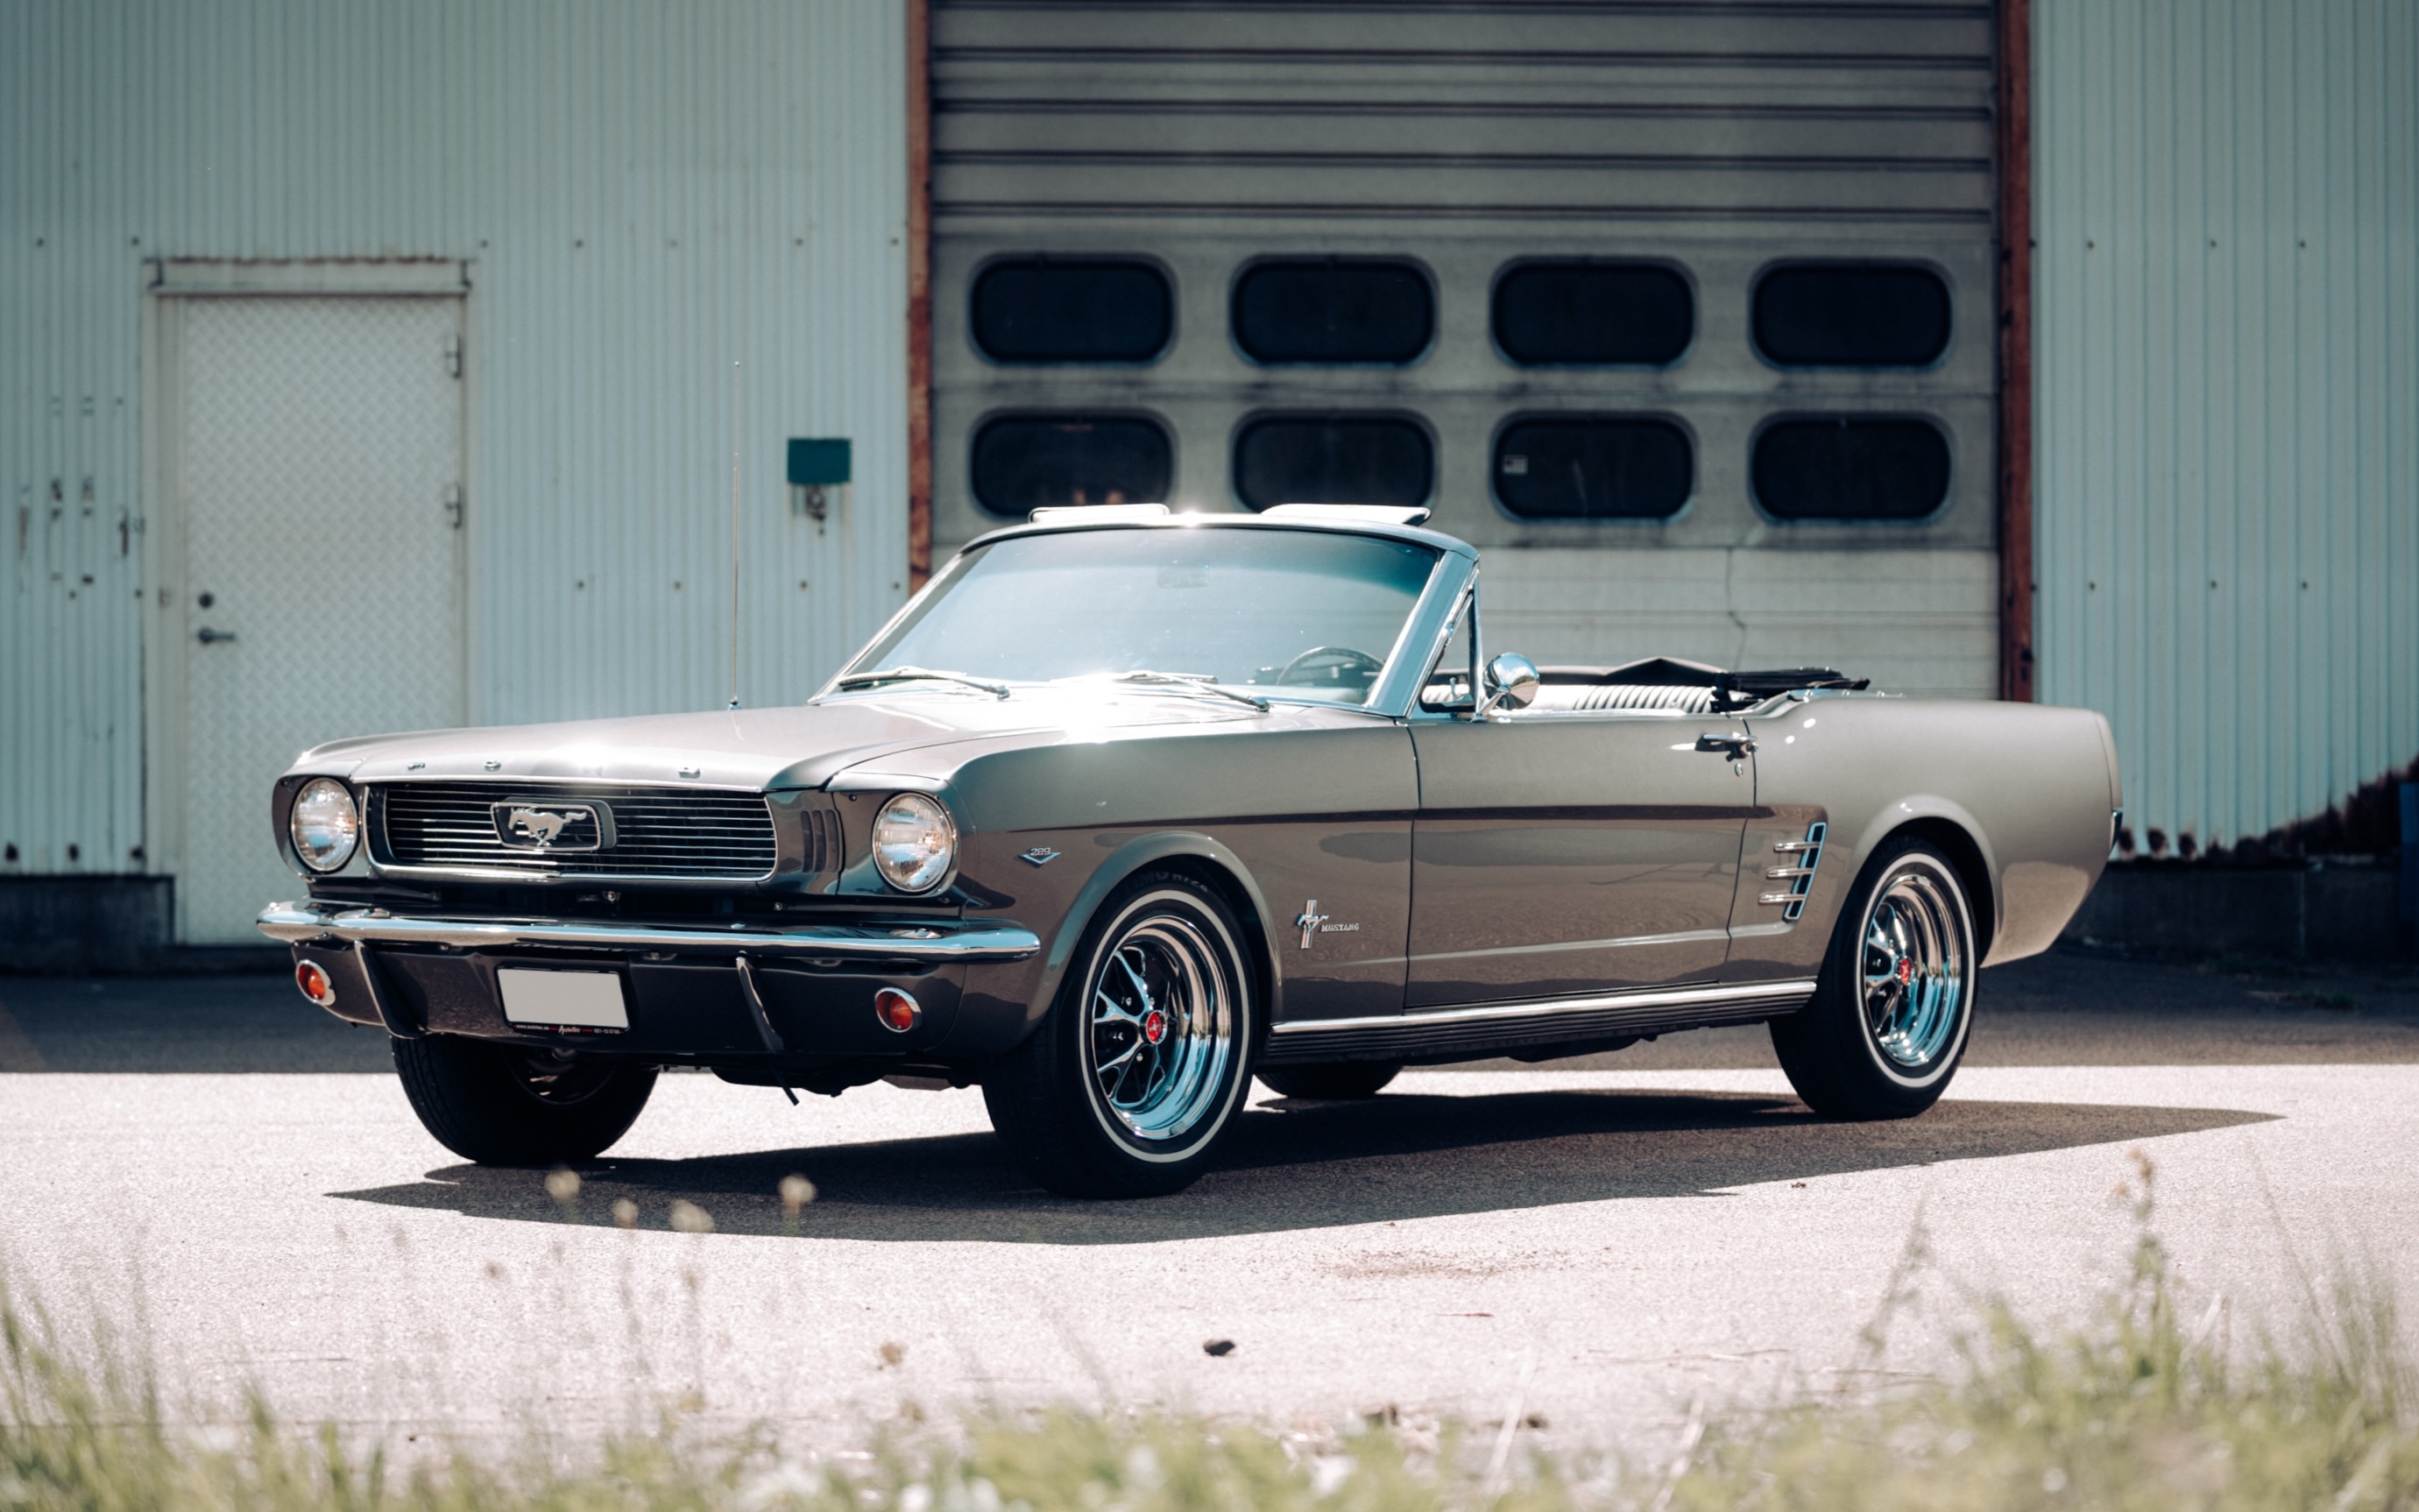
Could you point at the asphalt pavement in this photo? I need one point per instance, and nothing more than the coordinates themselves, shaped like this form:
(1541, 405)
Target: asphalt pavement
(235, 1181)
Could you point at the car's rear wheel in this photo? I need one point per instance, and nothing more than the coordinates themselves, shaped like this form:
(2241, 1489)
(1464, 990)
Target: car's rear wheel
(1888, 1022)
(501, 1104)
(1339, 1079)
(1139, 1068)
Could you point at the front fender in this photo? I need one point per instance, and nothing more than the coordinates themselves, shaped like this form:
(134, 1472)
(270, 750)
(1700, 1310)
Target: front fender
(1013, 1000)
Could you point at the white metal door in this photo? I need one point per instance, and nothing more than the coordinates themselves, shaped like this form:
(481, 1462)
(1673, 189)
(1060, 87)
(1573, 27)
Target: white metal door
(319, 462)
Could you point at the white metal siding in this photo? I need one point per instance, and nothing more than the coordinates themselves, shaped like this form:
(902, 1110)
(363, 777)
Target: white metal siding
(1721, 138)
(2226, 322)
(644, 193)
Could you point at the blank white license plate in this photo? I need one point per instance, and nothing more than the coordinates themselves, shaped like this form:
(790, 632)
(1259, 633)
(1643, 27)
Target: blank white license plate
(577, 1000)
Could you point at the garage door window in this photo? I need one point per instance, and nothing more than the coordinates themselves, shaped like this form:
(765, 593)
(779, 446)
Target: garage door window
(1044, 310)
(1592, 467)
(1333, 459)
(1852, 317)
(1577, 313)
(1025, 462)
(1851, 468)
(1332, 311)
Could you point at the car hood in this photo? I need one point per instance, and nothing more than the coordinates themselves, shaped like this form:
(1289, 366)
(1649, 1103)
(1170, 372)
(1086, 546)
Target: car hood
(802, 746)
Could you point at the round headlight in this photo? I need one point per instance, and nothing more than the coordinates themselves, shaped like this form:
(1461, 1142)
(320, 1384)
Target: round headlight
(324, 825)
(914, 842)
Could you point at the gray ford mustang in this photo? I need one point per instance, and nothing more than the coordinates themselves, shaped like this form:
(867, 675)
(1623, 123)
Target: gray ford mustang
(1125, 808)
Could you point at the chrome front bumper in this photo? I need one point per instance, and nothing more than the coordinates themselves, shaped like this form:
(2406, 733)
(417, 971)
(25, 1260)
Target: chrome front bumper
(297, 923)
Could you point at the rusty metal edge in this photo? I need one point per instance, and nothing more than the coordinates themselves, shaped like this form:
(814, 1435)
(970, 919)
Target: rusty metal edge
(2015, 501)
(919, 293)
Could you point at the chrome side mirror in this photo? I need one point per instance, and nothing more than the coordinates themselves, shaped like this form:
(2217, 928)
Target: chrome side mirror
(1511, 683)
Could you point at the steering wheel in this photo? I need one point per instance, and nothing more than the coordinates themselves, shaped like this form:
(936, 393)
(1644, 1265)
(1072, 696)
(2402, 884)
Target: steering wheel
(1335, 661)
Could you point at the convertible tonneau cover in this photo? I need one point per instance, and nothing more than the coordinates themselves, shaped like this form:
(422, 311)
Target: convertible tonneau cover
(1657, 679)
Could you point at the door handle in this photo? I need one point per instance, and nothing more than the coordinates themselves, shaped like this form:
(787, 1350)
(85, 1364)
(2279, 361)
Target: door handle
(1733, 747)
(210, 637)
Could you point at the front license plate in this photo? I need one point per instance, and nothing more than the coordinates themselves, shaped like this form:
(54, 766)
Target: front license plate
(573, 999)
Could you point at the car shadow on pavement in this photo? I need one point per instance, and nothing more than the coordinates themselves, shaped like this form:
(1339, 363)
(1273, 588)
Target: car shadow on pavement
(1312, 1166)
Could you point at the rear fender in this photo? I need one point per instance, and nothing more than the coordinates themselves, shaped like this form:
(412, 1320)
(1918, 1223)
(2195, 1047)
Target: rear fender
(1915, 808)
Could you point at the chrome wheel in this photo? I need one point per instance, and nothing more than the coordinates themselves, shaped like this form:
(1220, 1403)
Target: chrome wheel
(1914, 973)
(1161, 1027)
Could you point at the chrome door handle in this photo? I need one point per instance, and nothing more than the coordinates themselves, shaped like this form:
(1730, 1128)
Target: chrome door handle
(1733, 747)
(210, 637)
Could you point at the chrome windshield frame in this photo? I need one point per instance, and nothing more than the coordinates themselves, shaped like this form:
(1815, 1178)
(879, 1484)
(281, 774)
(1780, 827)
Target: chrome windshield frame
(1392, 696)
(1396, 692)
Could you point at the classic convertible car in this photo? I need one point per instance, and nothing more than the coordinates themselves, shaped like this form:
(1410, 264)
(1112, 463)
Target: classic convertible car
(1126, 808)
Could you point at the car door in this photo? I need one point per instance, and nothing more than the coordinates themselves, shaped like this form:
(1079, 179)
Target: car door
(1558, 852)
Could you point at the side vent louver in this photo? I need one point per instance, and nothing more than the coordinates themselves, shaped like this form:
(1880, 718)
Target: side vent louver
(821, 841)
(1805, 855)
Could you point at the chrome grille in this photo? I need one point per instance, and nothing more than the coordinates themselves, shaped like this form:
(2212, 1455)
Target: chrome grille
(657, 832)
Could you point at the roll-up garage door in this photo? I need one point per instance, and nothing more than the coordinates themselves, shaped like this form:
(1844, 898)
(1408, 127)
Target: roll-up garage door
(1684, 314)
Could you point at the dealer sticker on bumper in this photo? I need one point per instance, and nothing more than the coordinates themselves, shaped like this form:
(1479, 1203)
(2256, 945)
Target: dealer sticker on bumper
(564, 999)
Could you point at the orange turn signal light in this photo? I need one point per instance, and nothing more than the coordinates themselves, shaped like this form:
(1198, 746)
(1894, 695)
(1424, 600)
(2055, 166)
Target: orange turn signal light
(315, 985)
(898, 1012)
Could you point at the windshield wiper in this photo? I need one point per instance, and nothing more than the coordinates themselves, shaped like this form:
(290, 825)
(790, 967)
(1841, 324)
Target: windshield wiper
(921, 674)
(1196, 685)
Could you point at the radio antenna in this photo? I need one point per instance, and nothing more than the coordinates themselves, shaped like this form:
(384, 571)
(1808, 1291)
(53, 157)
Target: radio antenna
(734, 535)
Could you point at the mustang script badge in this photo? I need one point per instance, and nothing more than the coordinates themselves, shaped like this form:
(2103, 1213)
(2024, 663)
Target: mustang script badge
(540, 825)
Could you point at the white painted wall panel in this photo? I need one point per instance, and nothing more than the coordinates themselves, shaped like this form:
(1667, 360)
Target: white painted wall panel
(2228, 346)
(645, 194)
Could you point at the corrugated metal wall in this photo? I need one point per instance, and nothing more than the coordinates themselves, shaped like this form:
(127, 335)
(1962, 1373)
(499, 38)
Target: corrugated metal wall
(645, 194)
(1718, 138)
(2227, 347)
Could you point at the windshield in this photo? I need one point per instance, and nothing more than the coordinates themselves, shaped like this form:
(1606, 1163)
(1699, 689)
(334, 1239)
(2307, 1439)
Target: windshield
(1303, 613)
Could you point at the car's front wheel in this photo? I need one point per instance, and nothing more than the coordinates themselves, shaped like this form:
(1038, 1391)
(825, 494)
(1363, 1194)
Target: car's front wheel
(1140, 1066)
(1887, 1024)
(501, 1104)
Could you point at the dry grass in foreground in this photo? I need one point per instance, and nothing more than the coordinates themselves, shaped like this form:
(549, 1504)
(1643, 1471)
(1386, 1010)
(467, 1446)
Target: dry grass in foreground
(2147, 1409)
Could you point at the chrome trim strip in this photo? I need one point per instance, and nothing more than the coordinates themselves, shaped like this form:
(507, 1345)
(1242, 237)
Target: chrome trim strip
(1776, 992)
(653, 881)
(942, 940)
(567, 785)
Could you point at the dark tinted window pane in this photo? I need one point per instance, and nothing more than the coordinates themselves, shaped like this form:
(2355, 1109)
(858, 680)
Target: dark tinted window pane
(1333, 459)
(1851, 468)
(1592, 468)
(1047, 311)
(1852, 317)
(1023, 462)
(1334, 312)
(1633, 313)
